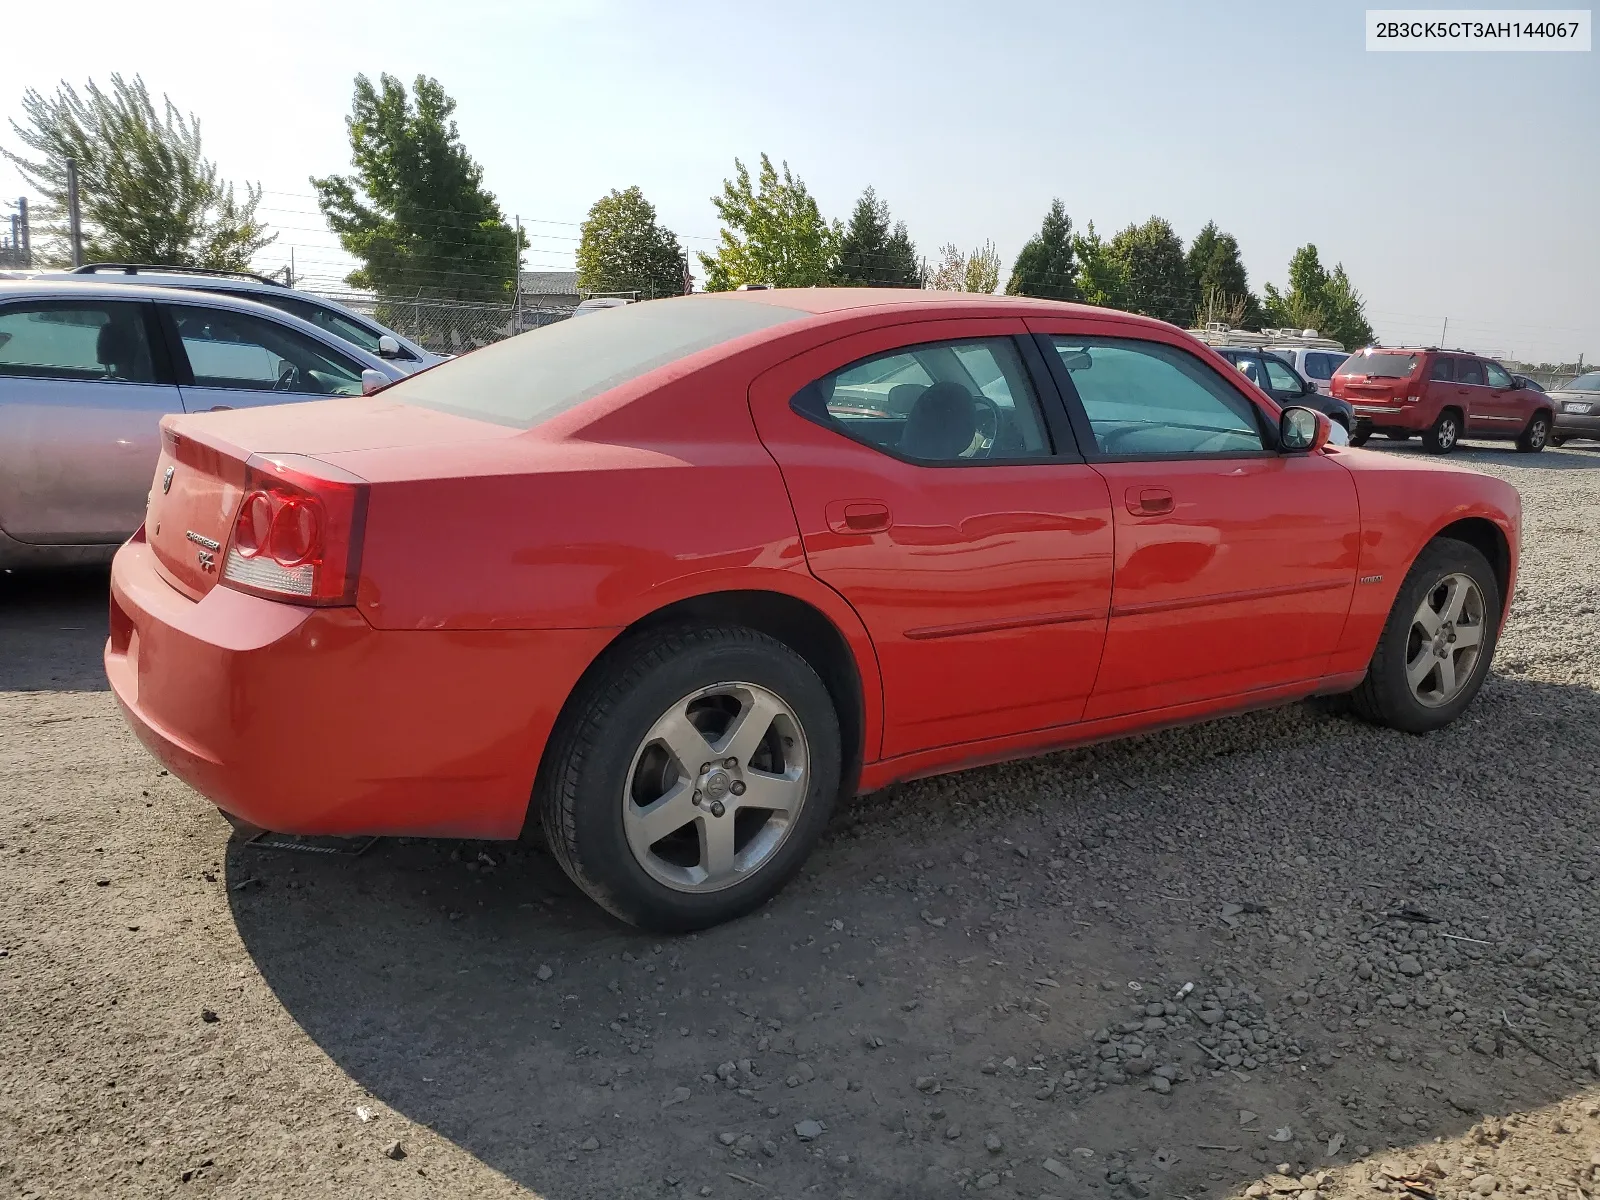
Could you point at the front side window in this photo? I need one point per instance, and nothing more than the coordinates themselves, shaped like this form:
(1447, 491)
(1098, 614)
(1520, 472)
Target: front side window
(1469, 370)
(1146, 399)
(1281, 377)
(1497, 375)
(244, 352)
(938, 403)
(88, 340)
(1250, 368)
(1443, 370)
(329, 321)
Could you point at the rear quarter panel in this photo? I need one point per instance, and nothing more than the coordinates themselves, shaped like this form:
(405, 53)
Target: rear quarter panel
(1404, 504)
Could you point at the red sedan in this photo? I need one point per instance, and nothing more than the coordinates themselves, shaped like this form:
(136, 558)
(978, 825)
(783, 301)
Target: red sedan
(668, 580)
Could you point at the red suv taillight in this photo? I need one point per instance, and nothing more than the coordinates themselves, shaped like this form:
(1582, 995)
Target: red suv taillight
(297, 535)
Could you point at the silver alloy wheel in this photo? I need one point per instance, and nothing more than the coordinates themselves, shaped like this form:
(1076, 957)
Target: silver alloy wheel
(1538, 433)
(1445, 640)
(1447, 433)
(715, 787)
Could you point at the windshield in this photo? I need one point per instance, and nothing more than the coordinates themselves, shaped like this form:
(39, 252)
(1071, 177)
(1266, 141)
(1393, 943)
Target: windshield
(528, 379)
(1584, 383)
(1381, 364)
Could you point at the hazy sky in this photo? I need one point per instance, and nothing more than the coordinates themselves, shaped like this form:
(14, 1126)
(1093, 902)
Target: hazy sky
(1459, 185)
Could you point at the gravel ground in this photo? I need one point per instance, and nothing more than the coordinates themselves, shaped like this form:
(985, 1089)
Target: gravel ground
(1280, 954)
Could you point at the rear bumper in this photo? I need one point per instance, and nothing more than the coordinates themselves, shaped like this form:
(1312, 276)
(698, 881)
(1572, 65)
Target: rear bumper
(308, 720)
(1576, 425)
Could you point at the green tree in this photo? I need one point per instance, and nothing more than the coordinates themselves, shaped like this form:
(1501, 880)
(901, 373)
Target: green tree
(1100, 278)
(1318, 300)
(771, 233)
(1046, 267)
(1155, 273)
(415, 212)
(1221, 284)
(872, 253)
(983, 270)
(622, 248)
(146, 191)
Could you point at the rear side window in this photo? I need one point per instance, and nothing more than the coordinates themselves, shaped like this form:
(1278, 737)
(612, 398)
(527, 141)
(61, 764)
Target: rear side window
(327, 320)
(1148, 400)
(1322, 366)
(1380, 364)
(1444, 370)
(1469, 370)
(244, 352)
(948, 403)
(91, 340)
(530, 378)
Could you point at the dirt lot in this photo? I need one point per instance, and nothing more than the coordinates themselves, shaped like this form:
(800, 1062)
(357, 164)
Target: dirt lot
(1167, 967)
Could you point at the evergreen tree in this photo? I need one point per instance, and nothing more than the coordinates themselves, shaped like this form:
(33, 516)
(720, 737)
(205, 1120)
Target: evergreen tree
(871, 253)
(1317, 300)
(1155, 274)
(1045, 267)
(1100, 278)
(1220, 281)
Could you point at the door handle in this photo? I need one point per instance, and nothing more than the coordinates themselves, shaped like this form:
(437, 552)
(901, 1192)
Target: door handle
(859, 516)
(1148, 501)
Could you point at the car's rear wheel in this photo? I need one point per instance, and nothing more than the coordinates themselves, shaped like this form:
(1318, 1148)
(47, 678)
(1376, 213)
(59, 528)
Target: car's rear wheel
(691, 776)
(1444, 434)
(1536, 435)
(1436, 647)
(1359, 436)
(1398, 435)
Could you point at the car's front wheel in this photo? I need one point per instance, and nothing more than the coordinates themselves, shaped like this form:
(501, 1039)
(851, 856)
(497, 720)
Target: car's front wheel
(1533, 438)
(1436, 647)
(692, 776)
(1445, 432)
(1359, 436)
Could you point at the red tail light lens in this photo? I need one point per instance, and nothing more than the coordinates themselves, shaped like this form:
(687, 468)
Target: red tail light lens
(298, 532)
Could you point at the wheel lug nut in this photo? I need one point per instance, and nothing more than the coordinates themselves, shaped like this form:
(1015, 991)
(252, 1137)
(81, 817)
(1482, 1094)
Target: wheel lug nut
(737, 787)
(704, 767)
(717, 808)
(730, 763)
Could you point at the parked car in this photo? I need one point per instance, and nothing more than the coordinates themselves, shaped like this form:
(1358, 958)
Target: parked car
(344, 323)
(1313, 357)
(596, 304)
(1577, 409)
(87, 371)
(1273, 374)
(657, 584)
(1444, 395)
(1316, 363)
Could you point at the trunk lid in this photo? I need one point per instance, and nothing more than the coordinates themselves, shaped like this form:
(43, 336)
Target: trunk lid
(198, 485)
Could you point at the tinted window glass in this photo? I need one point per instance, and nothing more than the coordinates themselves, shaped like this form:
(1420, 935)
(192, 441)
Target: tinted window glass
(328, 321)
(75, 339)
(1496, 375)
(1322, 366)
(1469, 370)
(1380, 364)
(1281, 377)
(245, 352)
(941, 402)
(1145, 399)
(1444, 369)
(1584, 383)
(1250, 368)
(530, 378)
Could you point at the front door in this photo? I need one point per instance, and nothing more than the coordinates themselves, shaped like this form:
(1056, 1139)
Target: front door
(230, 359)
(1235, 565)
(1506, 403)
(945, 503)
(83, 388)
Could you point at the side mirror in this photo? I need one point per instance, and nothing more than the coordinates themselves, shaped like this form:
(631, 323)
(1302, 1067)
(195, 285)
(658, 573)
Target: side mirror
(373, 381)
(388, 347)
(1308, 387)
(1303, 430)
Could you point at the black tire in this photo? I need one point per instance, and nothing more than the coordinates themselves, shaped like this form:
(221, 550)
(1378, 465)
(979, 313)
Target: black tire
(1399, 435)
(1534, 438)
(1385, 697)
(1359, 437)
(1445, 433)
(581, 786)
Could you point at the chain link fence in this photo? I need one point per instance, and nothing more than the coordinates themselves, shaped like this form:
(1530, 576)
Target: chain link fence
(449, 326)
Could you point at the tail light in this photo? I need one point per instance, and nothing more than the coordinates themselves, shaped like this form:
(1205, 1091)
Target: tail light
(297, 535)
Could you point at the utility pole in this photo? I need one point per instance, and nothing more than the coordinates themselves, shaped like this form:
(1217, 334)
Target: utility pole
(74, 222)
(291, 266)
(516, 292)
(1443, 331)
(26, 245)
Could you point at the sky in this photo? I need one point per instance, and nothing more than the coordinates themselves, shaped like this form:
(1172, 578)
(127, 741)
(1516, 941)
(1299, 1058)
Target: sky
(1463, 186)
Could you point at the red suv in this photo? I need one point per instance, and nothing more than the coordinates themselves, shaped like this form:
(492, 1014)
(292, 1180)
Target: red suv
(1444, 395)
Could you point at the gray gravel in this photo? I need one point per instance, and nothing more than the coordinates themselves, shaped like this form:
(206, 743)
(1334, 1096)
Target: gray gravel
(1284, 954)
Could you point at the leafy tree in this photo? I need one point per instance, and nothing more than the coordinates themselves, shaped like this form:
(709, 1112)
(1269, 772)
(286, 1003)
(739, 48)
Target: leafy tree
(1100, 278)
(772, 233)
(1320, 301)
(1155, 273)
(622, 248)
(146, 192)
(983, 269)
(1100, 275)
(949, 274)
(1220, 280)
(872, 253)
(1046, 266)
(415, 212)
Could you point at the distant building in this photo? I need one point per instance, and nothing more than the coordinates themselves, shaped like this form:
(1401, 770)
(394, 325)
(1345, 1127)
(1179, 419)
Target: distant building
(550, 289)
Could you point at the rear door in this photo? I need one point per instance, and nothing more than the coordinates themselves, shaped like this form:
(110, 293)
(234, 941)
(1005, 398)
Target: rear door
(937, 494)
(83, 387)
(1472, 389)
(1235, 565)
(231, 359)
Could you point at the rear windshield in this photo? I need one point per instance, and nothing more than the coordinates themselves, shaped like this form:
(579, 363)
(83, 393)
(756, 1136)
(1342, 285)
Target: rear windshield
(526, 380)
(1584, 383)
(1384, 365)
